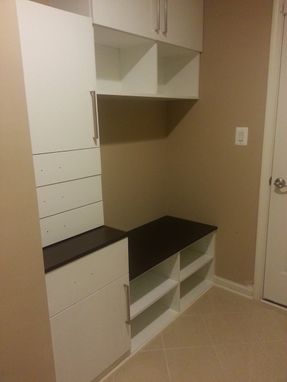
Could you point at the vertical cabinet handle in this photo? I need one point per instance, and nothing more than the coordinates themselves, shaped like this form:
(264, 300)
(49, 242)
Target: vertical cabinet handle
(127, 289)
(165, 27)
(95, 115)
(157, 18)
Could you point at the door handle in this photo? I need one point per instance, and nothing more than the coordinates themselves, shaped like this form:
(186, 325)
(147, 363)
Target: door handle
(157, 18)
(165, 27)
(127, 289)
(279, 183)
(95, 115)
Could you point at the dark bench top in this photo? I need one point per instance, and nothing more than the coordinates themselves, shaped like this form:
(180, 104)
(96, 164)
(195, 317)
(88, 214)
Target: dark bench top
(66, 251)
(154, 242)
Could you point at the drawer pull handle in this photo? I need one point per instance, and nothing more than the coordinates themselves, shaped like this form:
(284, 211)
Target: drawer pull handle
(127, 289)
(157, 18)
(165, 16)
(95, 115)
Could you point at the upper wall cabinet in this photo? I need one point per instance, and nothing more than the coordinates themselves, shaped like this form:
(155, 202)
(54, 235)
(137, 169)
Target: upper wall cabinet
(140, 17)
(181, 23)
(59, 74)
(177, 22)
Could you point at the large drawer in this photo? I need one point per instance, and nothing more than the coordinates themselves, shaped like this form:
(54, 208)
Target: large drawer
(79, 279)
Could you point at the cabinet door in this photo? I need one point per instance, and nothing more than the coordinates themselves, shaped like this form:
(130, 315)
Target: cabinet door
(59, 73)
(184, 23)
(91, 335)
(133, 16)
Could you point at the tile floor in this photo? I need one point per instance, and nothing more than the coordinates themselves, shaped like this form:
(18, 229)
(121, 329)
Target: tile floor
(223, 337)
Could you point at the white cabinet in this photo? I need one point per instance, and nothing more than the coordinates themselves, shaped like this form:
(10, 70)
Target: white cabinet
(132, 16)
(59, 73)
(90, 335)
(178, 22)
(58, 57)
(88, 308)
(182, 23)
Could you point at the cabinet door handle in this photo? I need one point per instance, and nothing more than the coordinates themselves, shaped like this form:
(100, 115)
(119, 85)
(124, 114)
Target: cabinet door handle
(127, 289)
(95, 115)
(157, 18)
(165, 27)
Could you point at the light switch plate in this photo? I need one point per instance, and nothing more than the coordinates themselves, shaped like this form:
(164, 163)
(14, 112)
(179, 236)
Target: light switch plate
(241, 136)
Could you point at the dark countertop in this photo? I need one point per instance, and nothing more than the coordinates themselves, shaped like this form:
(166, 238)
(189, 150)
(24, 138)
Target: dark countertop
(68, 250)
(154, 242)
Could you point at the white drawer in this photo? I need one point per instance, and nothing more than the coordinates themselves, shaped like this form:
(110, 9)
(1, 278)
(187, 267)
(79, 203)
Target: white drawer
(66, 165)
(70, 223)
(77, 280)
(61, 197)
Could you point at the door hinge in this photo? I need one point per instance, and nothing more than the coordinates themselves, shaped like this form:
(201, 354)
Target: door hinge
(270, 180)
(284, 8)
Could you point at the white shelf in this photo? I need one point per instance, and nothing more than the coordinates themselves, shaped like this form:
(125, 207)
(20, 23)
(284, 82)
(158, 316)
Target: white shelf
(189, 266)
(194, 294)
(147, 289)
(150, 324)
(106, 92)
(134, 66)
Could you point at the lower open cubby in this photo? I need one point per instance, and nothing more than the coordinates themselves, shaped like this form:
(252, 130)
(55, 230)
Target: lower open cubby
(172, 283)
(151, 321)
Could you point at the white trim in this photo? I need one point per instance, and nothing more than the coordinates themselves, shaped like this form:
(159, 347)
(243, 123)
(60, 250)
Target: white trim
(243, 290)
(268, 145)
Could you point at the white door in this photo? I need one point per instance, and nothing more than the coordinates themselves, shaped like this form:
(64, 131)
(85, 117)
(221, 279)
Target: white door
(133, 16)
(92, 334)
(59, 72)
(275, 284)
(182, 23)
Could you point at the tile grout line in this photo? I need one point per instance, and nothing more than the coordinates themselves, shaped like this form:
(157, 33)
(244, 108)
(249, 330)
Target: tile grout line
(165, 357)
(213, 346)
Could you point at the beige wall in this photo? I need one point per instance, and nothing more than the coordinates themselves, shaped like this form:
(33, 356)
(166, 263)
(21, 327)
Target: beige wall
(25, 345)
(133, 148)
(196, 171)
(212, 180)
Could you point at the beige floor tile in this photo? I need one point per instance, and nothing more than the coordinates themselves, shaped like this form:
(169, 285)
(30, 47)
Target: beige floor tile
(254, 362)
(227, 327)
(271, 325)
(235, 359)
(218, 300)
(144, 367)
(186, 331)
(269, 362)
(155, 344)
(194, 365)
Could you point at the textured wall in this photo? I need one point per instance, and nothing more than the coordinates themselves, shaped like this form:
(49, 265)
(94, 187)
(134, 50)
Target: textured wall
(134, 158)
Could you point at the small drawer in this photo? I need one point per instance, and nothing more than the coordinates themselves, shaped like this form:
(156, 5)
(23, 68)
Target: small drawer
(67, 165)
(70, 223)
(77, 280)
(61, 197)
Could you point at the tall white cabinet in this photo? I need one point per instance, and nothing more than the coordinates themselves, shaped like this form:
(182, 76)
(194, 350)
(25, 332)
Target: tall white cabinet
(58, 57)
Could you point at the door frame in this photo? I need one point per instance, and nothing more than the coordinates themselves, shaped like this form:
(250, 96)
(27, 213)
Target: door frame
(268, 143)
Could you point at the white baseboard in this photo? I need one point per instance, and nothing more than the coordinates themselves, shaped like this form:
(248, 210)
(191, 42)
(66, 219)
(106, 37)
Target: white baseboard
(243, 290)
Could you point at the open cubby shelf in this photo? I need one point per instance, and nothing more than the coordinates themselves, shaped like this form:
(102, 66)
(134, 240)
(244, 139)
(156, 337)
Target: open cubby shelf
(171, 265)
(129, 65)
